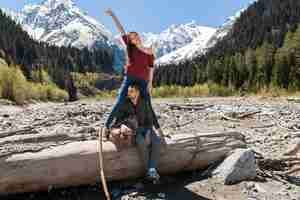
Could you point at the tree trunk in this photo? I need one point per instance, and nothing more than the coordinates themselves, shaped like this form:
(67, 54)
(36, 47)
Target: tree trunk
(77, 163)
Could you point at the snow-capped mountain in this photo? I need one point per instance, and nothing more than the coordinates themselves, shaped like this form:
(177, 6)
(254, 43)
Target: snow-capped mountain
(176, 36)
(188, 52)
(62, 23)
(196, 48)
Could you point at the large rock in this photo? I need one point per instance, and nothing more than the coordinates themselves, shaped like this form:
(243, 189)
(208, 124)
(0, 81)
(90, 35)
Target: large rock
(237, 167)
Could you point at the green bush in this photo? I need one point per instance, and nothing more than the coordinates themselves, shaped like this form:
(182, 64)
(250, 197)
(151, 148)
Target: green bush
(193, 91)
(15, 87)
(37, 92)
(106, 94)
(218, 90)
(40, 76)
(13, 84)
(54, 93)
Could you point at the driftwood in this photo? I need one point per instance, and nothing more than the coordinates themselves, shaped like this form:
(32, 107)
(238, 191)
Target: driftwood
(27, 130)
(294, 99)
(281, 169)
(235, 117)
(248, 114)
(223, 116)
(76, 163)
(193, 106)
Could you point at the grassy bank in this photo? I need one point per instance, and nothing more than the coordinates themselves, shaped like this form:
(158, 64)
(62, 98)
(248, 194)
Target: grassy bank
(207, 90)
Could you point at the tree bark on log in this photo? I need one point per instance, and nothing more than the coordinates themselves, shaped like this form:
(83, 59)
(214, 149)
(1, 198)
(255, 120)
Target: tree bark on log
(77, 163)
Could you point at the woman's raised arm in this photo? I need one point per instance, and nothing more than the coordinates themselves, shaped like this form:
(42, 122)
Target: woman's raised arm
(109, 12)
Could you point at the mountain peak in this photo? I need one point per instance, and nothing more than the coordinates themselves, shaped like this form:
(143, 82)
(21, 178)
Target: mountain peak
(191, 23)
(56, 3)
(48, 5)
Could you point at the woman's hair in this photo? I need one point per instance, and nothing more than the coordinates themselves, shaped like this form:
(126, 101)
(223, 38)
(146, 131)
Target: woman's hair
(130, 45)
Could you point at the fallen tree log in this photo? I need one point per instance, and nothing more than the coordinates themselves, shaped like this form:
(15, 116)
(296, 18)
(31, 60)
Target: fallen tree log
(77, 163)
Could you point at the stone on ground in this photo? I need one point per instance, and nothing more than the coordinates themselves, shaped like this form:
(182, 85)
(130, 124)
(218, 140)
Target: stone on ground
(237, 167)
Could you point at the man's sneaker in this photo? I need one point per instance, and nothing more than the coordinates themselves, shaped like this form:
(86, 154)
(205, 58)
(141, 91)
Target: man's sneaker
(153, 175)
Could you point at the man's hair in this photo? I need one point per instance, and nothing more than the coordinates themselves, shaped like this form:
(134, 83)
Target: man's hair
(135, 86)
(130, 32)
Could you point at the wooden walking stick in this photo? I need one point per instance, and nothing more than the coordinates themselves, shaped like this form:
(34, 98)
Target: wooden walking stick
(100, 153)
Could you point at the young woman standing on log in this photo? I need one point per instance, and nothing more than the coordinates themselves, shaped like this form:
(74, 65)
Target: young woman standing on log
(139, 69)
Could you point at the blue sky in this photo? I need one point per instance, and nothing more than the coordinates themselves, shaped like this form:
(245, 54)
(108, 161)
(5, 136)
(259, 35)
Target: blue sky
(152, 15)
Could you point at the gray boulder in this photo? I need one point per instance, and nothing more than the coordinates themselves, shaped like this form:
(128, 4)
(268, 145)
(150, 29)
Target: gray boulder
(237, 167)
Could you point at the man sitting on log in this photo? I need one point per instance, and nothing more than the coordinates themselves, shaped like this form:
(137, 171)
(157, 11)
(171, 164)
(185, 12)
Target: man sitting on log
(134, 118)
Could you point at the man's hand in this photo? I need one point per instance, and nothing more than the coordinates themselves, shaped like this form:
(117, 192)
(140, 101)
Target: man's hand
(106, 132)
(109, 12)
(125, 129)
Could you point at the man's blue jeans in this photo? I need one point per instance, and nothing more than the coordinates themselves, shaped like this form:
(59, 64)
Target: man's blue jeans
(129, 80)
(149, 153)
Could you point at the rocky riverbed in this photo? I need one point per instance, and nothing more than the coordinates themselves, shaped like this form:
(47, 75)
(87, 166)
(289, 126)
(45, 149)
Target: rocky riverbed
(271, 127)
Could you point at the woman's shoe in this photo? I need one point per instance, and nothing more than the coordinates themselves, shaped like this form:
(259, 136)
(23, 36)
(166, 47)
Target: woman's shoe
(153, 175)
